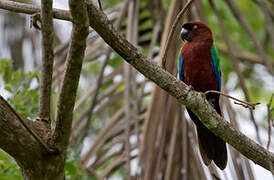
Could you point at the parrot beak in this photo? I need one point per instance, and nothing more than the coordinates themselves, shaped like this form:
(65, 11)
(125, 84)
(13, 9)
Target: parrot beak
(185, 35)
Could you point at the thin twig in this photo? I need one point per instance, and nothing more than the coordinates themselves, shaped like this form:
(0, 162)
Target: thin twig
(178, 20)
(38, 139)
(100, 5)
(241, 102)
(269, 120)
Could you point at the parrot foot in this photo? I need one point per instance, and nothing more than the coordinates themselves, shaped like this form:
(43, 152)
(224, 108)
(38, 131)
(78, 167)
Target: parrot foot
(190, 88)
(211, 102)
(203, 95)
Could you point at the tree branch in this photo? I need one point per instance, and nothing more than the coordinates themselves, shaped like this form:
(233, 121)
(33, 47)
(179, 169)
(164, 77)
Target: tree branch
(32, 9)
(73, 69)
(17, 131)
(47, 60)
(7, 111)
(178, 21)
(179, 90)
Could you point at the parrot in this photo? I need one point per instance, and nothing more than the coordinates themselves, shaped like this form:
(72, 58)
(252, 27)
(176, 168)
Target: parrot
(199, 67)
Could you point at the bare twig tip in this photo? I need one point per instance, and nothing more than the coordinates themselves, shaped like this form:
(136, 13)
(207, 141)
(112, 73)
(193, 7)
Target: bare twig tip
(245, 104)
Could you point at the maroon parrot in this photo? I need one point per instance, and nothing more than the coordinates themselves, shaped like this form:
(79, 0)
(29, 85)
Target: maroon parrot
(199, 67)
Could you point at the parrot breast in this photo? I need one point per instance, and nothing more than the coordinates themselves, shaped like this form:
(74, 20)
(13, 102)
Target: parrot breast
(198, 70)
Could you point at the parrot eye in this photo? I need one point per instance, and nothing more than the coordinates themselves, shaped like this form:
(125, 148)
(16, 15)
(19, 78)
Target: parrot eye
(195, 27)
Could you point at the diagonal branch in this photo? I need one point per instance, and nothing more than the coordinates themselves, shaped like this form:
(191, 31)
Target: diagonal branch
(178, 21)
(73, 69)
(47, 60)
(6, 113)
(179, 90)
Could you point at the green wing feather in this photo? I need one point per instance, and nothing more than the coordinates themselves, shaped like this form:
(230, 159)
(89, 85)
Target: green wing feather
(215, 61)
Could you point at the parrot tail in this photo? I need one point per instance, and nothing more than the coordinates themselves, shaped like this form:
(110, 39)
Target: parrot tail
(211, 147)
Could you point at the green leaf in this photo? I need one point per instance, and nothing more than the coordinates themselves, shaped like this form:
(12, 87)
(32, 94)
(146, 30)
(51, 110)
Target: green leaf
(9, 89)
(6, 70)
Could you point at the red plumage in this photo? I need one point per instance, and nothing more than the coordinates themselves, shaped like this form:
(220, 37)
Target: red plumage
(197, 66)
(199, 73)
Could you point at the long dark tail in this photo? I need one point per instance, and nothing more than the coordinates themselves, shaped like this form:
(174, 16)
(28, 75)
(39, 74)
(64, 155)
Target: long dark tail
(211, 147)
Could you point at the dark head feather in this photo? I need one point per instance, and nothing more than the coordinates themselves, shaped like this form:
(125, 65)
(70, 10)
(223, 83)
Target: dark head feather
(196, 31)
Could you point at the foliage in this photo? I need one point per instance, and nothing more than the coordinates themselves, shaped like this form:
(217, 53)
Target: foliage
(73, 170)
(9, 170)
(23, 97)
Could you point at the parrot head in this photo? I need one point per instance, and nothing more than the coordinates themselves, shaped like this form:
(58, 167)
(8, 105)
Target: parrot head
(195, 32)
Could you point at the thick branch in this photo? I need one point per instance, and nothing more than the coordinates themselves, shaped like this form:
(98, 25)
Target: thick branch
(195, 101)
(47, 59)
(16, 131)
(31, 9)
(72, 73)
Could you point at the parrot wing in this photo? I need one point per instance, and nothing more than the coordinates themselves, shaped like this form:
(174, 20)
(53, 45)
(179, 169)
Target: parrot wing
(180, 67)
(215, 61)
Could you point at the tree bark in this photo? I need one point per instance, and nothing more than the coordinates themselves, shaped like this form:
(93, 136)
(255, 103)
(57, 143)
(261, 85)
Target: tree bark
(34, 160)
(38, 150)
(47, 60)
